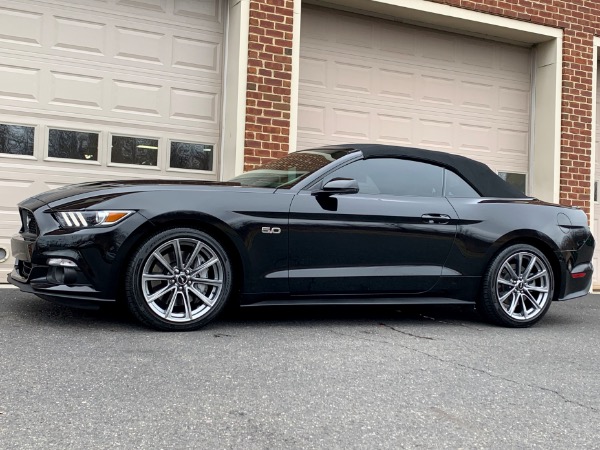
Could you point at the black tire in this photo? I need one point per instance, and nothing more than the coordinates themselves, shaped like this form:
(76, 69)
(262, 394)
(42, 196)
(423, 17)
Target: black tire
(178, 301)
(508, 298)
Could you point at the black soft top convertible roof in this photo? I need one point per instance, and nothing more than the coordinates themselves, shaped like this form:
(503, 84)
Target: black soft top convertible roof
(477, 174)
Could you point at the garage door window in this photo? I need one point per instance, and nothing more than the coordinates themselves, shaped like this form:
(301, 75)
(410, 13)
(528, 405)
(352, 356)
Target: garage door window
(16, 139)
(69, 144)
(517, 180)
(134, 150)
(194, 156)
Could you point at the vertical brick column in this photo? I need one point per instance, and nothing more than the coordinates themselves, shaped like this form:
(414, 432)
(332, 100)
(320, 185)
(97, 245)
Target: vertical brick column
(576, 171)
(269, 81)
(580, 20)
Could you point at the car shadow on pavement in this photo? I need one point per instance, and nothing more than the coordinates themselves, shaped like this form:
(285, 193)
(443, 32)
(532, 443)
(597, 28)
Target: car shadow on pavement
(41, 312)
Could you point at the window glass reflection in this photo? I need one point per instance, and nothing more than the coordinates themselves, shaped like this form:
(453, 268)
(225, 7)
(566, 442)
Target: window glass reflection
(16, 139)
(393, 176)
(73, 145)
(134, 150)
(186, 155)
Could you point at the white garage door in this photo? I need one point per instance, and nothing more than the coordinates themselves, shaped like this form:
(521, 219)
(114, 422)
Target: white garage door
(98, 89)
(370, 80)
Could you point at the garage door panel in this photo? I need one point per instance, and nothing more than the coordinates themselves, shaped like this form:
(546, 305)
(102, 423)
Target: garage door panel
(141, 46)
(107, 93)
(412, 86)
(19, 26)
(501, 146)
(112, 87)
(76, 34)
(75, 90)
(127, 42)
(148, 5)
(193, 10)
(393, 41)
(379, 103)
(396, 82)
(19, 82)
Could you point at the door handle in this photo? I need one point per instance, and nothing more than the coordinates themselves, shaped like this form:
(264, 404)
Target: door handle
(436, 218)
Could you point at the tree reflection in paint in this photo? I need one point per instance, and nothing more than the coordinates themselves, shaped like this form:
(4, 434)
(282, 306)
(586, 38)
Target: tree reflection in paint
(16, 140)
(186, 155)
(73, 145)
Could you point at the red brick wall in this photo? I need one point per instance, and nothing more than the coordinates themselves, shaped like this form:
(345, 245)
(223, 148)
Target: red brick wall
(269, 81)
(580, 20)
(269, 76)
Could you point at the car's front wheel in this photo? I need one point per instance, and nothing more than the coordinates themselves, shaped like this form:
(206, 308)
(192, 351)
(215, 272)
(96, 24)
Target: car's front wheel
(518, 287)
(178, 280)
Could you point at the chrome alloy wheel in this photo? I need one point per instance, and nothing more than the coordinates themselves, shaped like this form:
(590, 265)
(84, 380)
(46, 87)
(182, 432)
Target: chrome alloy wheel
(182, 279)
(523, 285)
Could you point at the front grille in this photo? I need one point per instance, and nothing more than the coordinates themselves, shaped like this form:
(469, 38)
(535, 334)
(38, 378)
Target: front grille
(28, 223)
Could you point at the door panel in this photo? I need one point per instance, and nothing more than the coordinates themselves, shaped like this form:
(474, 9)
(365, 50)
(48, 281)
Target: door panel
(373, 244)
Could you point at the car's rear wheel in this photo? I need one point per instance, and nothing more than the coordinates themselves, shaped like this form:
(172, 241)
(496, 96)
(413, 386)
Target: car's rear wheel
(518, 287)
(178, 280)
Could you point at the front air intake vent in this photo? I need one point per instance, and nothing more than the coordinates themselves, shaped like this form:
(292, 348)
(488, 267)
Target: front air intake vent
(28, 223)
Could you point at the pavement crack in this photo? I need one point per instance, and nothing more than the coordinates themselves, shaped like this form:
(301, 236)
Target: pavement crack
(485, 372)
(533, 386)
(407, 333)
(339, 333)
(450, 323)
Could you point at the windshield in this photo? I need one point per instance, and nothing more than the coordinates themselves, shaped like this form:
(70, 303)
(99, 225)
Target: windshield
(289, 170)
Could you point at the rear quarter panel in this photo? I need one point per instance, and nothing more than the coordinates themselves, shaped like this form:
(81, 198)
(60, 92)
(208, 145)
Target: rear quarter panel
(487, 225)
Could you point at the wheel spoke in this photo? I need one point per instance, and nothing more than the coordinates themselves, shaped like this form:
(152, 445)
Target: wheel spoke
(537, 275)
(537, 289)
(178, 254)
(524, 308)
(205, 266)
(158, 294)
(536, 305)
(513, 304)
(530, 267)
(186, 304)
(156, 276)
(194, 255)
(169, 309)
(510, 270)
(208, 281)
(520, 266)
(164, 262)
(506, 282)
(201, 296)
(505, 296)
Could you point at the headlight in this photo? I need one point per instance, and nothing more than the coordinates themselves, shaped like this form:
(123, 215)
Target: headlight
(83, 219)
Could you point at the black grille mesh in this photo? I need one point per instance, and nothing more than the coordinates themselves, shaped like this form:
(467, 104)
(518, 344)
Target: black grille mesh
(24, 269)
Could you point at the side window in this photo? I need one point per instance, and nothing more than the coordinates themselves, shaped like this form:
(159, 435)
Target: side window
(455, 186)
(393, 176)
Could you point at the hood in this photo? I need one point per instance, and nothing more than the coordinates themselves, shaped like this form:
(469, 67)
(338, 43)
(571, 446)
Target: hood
(114, 188)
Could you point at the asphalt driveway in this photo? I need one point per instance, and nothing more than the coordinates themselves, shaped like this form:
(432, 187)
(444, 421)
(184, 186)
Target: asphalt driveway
(299, 378)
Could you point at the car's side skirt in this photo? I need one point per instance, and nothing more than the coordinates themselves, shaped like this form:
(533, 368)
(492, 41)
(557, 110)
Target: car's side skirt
(361, 301)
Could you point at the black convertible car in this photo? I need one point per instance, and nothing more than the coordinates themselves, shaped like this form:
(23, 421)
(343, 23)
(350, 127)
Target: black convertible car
(357, 224)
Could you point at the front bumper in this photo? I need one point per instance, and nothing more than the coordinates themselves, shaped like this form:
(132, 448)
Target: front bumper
(97, 256)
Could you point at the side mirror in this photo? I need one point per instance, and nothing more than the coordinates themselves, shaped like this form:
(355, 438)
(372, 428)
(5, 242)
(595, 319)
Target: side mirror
(338, 186)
